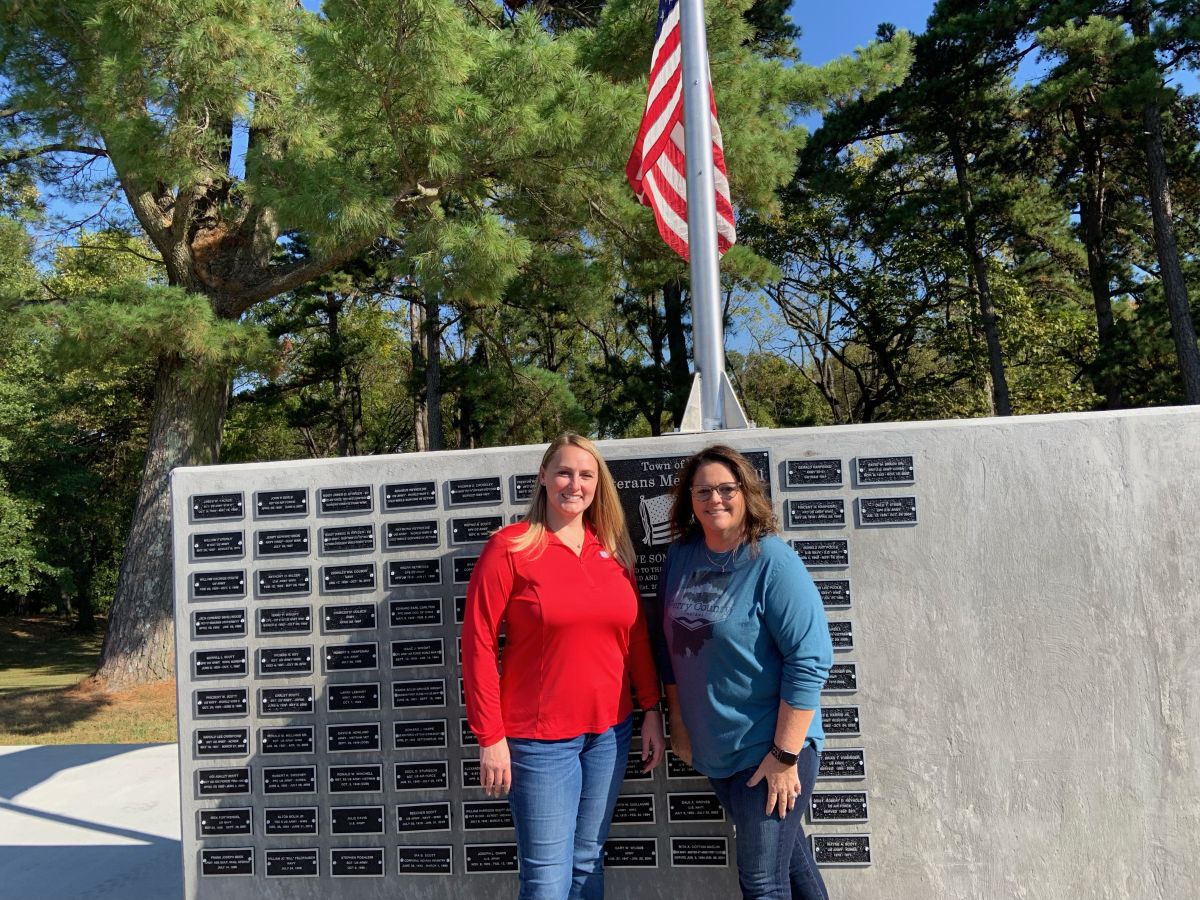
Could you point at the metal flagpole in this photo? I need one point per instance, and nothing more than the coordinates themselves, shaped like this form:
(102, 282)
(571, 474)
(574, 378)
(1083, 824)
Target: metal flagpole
(707, 338)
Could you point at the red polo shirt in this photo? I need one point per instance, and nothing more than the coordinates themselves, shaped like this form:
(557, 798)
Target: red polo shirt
(574, 637)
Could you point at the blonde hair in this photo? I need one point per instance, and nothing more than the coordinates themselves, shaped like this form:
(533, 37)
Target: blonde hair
(604, 513)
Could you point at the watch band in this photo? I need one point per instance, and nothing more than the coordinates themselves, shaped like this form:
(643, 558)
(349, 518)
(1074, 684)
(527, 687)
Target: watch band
(788, 759)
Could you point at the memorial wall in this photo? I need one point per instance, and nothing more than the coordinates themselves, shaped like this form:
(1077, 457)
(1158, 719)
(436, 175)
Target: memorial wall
(997, 592)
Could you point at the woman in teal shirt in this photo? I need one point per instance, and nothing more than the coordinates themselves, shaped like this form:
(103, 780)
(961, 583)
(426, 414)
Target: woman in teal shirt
(745, 654)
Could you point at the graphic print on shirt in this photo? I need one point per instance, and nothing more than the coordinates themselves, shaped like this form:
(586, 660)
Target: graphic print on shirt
(702, 600)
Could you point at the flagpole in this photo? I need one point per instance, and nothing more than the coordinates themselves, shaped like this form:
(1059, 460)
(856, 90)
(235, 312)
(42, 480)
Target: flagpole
(708, 344)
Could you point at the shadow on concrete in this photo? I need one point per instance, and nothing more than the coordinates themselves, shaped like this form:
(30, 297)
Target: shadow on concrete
(146, 872)
(26, 768)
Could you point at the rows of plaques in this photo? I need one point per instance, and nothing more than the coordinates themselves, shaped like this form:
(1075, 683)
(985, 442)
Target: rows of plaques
(819, 515)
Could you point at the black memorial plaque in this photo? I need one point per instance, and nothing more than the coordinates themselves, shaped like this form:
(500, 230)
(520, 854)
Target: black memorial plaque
(419, 652)
(677, 768)
(843, 679)
(887, 511)
(875, 470)
(350, 617)
(285, 661)
(803, 473)
(466, 737)
(293, 863)
(289, 739)
(352, 657)
(227, 861)
(219, 623)
(835, 593)
(843, 764)
(841, 632)
(479, 859)
(275, 620)
(363, 779)
(694, 806)
(424, 860)
(218, 545)
(825, 513)
(227, 663)
(356, 863)
(419, 733)
(415, 817)
(290, 780)
(347, 538)
(523, 487)
(460, 609)
(634, 809)
(475, 492)
(206, 585)
(342, 697)
(285, 701)
(412, 572)
(833, 850)
(414, 694)
(222, 782)
(268, 504)
(400, 535)
(217, 822)
(338, 500)
(355, 737)
(226, 703)
(838, 806)
(687, 852)
(470, 773)
(281, 582)
(424, 611)
(222, 741)
(474, 531)
(290, 820)
(463, 567)
(840, 721)
(206, 507)
(633, 767)
(631, 853)
(482, 815)
(357, 577)
(282, 542)
(423, 776)
(410, 495)
(827, 554)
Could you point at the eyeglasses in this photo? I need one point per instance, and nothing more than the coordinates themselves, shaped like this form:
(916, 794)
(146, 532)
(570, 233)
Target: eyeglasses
(724, 491)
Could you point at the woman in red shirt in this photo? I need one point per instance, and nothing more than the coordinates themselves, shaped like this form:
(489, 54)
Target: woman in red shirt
(554, 715)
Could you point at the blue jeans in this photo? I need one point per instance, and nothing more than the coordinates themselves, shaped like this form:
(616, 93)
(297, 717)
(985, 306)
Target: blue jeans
(773, 857)
(562, 799)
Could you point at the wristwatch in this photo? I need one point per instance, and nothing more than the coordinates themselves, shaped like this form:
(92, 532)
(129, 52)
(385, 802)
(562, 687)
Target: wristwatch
(788, 759)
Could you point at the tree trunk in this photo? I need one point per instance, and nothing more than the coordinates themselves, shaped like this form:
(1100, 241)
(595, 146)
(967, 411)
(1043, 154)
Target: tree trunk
(185, 429)
(679, 371)
(416, 349)
(1092, 214)
(987, 311)
(433, 371)
(1183, 329)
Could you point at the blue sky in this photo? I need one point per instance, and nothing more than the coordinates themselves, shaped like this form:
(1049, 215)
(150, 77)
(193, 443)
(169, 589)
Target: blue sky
(832, 29)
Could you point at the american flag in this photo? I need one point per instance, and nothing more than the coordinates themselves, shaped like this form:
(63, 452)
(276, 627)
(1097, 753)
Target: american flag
(656, 168)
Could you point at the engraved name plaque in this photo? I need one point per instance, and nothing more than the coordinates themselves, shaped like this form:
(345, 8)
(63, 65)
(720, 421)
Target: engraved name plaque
(282, 542)
(838, 806)
(425, 611)
(411, 694)
(340, 500)
(481, 815)
(631, 853)
(342, 697)
(218, 545)
(227, 861)
(463, 567)
(802, 473)
(222, 782)
(352, 617)
(887, 511)
(876, 470)
(475, 491)
(216, 822)
(358, 577)
(699, 851)
(424, 860)
(830, 554)
(285, 701)
(289, 779)
(229, 663)
(292, 863)
(219, 623)
(843, 764)
(227, 703)
(481, 858)
(290, 739)
(207, 585)
(222, 741)
(285, 661)
(698, 806)
(843, 679)
(634, 809)
(416, 817)
(829, 513)
(208, 507)
(408, 572)
(420, 652)
(285, 620)
(281, 582)
(356, 737)
(421, 733)
(841, 632)
(348, 539)
(399, 535)
(834, 594)
(356, 863)
(840, 721)
(356, 779)
(290, 820)
(347, 657)
(421, 776)
(410, 495)
(269, 504)
(473, 531)
(835, 850)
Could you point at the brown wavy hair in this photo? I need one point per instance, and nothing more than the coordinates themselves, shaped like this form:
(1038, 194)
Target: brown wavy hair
(604, 514)
(760, 514)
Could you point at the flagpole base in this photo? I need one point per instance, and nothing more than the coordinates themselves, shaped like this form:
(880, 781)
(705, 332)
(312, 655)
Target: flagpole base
(693, 416)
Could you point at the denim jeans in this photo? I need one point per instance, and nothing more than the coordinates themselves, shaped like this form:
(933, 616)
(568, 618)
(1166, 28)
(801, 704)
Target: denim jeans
(773, 857)
(562, 799)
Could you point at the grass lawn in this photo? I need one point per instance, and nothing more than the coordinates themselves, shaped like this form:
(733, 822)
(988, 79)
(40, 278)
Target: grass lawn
(46, 696)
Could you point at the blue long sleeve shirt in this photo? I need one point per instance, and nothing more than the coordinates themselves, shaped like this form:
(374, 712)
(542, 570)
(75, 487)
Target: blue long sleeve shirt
(735, 643)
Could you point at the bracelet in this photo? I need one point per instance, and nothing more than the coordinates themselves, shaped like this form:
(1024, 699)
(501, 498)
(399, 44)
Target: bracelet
(657, 707)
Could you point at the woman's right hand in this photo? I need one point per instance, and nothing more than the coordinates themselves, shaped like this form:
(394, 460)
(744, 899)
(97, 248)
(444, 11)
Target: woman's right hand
(681, 742)
(495, 769)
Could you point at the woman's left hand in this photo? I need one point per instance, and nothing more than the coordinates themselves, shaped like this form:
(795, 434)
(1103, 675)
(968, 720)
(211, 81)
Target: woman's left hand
(654, 745)
(783, 784)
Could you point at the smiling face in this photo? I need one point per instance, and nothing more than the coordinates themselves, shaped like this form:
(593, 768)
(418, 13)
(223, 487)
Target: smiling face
(722, 520)
(570, 481)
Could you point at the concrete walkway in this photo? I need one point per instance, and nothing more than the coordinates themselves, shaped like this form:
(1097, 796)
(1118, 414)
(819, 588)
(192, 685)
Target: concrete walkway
(90, 821)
